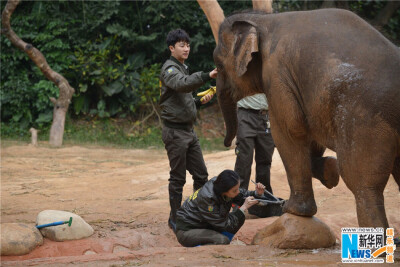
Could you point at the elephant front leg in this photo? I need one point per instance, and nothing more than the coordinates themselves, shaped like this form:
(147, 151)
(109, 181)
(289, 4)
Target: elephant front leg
(296, 159)
(298, 168)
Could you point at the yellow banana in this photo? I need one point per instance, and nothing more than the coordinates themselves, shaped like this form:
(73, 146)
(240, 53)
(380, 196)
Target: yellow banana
(204, 92)
(214, 89)
(211, 91)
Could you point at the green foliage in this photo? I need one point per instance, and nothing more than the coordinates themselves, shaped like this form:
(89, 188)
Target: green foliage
(110, 133)
(370, 9)
(13, 131)
(148, 90)
(101, 74)
(393, 27)
(104, 132)
(111, 53)
(25, 92)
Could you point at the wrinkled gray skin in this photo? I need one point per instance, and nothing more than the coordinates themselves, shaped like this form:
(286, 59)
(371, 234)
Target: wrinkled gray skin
(332, 81)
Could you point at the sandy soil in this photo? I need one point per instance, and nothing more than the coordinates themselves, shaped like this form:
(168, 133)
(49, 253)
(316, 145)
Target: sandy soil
(123, 195)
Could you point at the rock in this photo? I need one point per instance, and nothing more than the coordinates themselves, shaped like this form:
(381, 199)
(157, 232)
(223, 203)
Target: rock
(89, 252)
(79, 228)
(237, 242)
(296, 232)
(19, 238)
(251, 227)
(119, 248)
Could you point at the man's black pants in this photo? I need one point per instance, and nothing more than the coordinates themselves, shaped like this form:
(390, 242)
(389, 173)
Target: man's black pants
(184, 153)
(197, 237)
(252, 135)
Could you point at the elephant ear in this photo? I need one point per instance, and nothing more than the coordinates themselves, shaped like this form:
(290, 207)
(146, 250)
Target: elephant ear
(245, 44)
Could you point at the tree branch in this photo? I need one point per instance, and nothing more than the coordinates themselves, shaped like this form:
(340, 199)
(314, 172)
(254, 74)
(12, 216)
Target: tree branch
(214, 13)
(158, 115)
(142, 121)
(66, 91)
(264, 5)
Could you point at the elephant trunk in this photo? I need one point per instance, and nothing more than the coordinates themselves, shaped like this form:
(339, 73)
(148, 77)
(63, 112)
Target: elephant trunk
(228, 108)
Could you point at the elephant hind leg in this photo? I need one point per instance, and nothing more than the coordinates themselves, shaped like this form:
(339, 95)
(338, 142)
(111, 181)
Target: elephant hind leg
(367, 187)
(366, 174)
(396, 171)
(324, 168)
(371, 208)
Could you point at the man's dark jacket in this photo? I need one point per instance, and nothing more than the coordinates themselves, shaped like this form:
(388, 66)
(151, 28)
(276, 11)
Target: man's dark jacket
(176, 100)
(207, 210)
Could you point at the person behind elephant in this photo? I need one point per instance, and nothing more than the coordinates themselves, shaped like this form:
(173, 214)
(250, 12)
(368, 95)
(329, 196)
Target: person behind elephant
(204, 218)
(178, 113)
(254, 134)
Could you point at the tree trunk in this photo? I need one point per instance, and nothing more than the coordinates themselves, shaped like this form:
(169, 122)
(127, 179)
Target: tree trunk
(57, 127)
(305, 5)
(66, 91)
(343, 5)
(214, 13)
(386, 13)
(264, 5)
(328, 4)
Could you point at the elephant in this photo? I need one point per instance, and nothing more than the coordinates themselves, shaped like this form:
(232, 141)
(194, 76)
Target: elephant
(331, 81)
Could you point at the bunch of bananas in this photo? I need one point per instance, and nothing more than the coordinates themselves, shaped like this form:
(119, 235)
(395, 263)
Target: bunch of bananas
(211, 91)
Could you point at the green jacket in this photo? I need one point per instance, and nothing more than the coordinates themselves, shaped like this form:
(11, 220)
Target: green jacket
(177, 104)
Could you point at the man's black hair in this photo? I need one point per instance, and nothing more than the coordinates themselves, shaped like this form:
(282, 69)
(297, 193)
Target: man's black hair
(176, 36)
(225, 181)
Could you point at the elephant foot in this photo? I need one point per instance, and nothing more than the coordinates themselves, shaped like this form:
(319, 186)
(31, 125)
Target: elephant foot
(325, 170)
(331, 175)
(300, 204)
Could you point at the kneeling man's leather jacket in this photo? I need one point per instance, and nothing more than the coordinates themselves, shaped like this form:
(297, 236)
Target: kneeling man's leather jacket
(206, 210)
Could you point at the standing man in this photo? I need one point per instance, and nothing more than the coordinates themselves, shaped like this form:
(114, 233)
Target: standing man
(178, 113)
(254, 133)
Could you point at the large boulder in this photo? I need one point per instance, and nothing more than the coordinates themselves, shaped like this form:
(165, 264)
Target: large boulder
(79, 228)
(296, 232)
(19, 239)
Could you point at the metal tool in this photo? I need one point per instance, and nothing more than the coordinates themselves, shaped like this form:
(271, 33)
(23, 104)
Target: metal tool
(266, 201)
(69, 222)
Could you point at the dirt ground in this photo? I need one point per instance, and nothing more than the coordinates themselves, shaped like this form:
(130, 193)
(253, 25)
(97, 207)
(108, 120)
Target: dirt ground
(123, 195)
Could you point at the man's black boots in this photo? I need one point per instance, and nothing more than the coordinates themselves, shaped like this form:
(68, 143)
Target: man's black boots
(175, 203)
